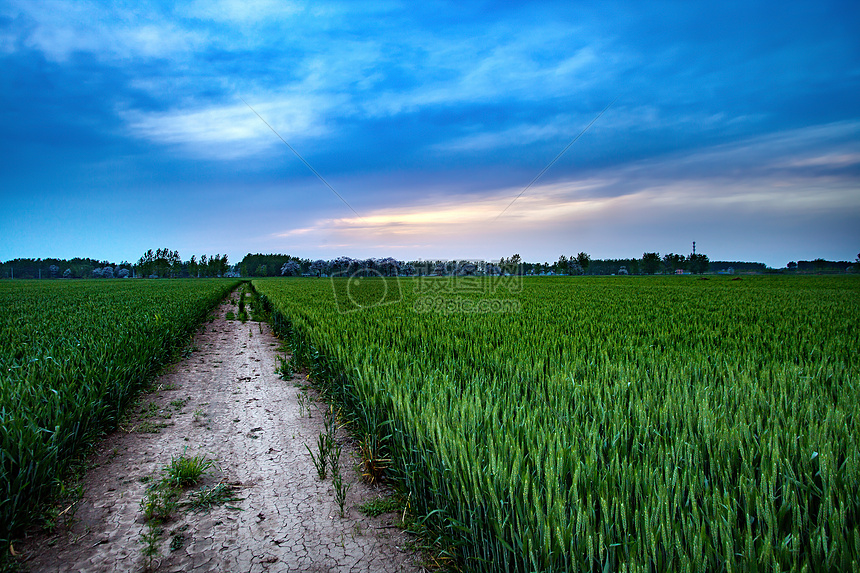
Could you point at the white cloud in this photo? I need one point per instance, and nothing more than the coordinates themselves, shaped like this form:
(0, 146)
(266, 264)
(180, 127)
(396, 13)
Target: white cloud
(294, 232)
(828, 160)
(563, 128)
(110, 32)
(234, 131)
(244, 11)
(516, 136)
(157, 40)
(456, 70)
(827, 145)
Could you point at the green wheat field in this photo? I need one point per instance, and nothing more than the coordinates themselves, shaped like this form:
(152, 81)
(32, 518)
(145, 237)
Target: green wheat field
(542, 424)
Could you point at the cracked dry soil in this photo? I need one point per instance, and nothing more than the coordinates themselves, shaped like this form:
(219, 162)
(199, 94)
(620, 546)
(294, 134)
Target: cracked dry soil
(225, 402)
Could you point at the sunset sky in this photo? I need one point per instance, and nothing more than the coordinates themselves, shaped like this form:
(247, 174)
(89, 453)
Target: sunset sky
(734, 124)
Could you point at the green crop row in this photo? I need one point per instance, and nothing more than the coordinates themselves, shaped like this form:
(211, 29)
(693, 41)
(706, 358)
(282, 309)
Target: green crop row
(617, 424)
(72, 356)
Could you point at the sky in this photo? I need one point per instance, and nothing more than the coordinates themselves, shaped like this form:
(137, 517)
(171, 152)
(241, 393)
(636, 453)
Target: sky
(414, 130)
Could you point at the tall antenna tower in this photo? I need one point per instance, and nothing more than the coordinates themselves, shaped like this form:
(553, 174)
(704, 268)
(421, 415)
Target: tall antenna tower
(694, 247)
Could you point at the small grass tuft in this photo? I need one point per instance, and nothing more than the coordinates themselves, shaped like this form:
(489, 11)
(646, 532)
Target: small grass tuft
(186, 471)
(378, 506)
(159, 502)
(287, 368)
(207, 498)
(177, 541)
(148, 427)
(340, 491)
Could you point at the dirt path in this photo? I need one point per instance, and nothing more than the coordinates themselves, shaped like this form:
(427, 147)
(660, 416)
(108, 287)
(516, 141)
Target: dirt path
(225, 402)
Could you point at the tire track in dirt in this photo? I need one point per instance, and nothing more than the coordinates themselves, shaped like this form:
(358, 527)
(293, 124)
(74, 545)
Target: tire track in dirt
(225, 402)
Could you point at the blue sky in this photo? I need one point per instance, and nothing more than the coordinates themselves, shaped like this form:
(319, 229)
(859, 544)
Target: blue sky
(735, 124)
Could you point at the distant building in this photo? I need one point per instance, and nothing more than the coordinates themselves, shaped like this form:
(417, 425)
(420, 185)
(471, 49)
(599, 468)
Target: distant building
(622, 270)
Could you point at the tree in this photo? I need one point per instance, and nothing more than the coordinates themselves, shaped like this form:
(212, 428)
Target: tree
(122, 273)
(67, 274)
(674, 262)
(291, 268)
(388, 267)
(512, 265)
(792, 266)
(368, 266)
(54, 269)
(583, 259)
(339, 265)
(174, 262)
(698, 263)
(216, 266)
(650, 263)
(107, 272)
(146, 264)
(561, 265)
(158, 263)
(318, 267)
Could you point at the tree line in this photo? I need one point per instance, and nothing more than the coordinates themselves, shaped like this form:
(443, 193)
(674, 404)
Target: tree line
(260, 265)
(158, 263)
(76, 268)
(166, 263)
(650, 263)
(271, 265)
(824, 266)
